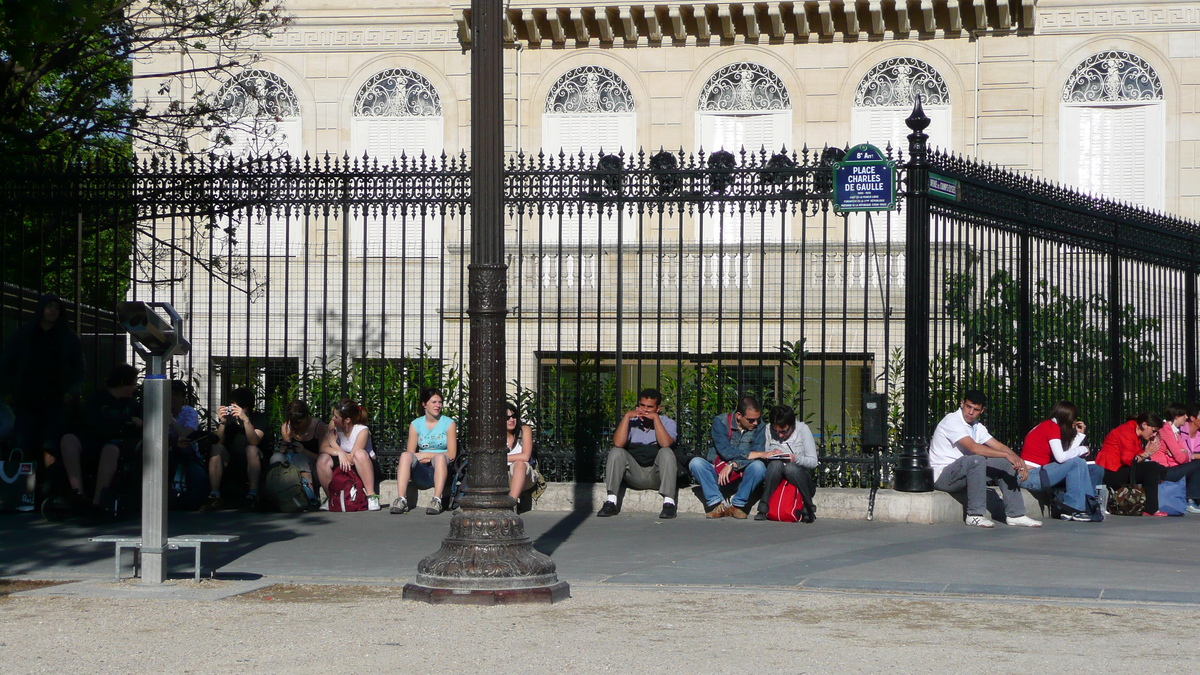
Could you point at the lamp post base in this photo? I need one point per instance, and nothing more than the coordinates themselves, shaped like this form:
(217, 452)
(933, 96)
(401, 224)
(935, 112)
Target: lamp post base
(487, 560)
(912, 480)
(544, 595)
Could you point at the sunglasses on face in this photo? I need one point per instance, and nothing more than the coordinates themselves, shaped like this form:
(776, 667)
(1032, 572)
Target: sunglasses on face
(512, 417)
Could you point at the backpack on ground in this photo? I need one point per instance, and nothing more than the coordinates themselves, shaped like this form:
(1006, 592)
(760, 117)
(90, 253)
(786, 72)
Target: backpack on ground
(346, 491)
(786, 504)
(284, 488)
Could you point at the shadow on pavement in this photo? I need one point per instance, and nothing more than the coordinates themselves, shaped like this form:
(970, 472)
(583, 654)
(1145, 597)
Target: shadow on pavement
(561, 531)
(32, 545)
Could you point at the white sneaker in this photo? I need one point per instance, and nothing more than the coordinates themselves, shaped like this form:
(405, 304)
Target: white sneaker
(1023, 521)
(324, 504)
(373, 502)
(979, 521)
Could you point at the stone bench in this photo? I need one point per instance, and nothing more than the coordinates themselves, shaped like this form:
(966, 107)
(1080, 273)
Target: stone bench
(835, 503)
(195, 542)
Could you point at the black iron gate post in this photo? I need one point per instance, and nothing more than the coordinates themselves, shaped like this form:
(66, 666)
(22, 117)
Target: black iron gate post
(1116, 363)
(1024, 370)
(1189, 340)
(487, 559)
(912, 472)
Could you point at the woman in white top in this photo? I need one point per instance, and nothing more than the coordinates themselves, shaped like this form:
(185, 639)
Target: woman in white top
(520, 450)
(347, 447)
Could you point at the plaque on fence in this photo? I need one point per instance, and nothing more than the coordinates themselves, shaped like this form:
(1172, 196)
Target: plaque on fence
(864, 180)
(943, 187)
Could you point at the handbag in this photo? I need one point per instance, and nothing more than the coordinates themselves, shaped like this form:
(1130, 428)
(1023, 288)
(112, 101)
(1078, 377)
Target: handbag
(1172, 497)
(1127, 500)
(18, 481)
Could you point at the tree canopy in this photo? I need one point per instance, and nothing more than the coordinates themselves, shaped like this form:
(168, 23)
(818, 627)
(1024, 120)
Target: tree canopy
(1069, 356)
(67, 75)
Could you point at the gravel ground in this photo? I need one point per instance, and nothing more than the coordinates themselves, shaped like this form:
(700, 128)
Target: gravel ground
(327, 628)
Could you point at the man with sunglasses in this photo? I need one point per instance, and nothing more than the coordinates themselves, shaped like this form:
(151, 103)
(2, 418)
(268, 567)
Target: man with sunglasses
(641, 456)
(736, 452)
(964, 455)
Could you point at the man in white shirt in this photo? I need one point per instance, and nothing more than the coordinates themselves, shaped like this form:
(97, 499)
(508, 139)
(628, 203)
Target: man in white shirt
(964, 455)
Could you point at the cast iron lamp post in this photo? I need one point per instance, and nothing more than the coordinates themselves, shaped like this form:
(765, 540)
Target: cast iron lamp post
(487, 559)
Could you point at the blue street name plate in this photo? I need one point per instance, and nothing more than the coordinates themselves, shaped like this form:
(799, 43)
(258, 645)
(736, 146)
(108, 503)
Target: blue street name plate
(864, 181)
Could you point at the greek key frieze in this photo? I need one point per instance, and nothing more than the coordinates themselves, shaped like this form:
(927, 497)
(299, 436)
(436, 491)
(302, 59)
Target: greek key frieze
(1118, 18)
(342, 38)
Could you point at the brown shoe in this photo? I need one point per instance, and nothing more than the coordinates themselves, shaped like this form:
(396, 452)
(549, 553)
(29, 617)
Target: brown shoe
(718, 511)
(737, 513)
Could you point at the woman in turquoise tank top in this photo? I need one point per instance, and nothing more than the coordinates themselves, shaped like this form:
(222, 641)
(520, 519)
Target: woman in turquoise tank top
(432, 445)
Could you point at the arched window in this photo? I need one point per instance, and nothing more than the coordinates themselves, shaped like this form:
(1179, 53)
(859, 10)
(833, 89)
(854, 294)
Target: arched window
(744, 105)
(885, 97)
(1111, 124)
(883, 100)
(263, 114)
(397, 112)
(589, 109)
(263, 119)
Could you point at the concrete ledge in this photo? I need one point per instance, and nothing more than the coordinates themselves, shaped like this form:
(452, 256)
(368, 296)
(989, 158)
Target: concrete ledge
(836, 503)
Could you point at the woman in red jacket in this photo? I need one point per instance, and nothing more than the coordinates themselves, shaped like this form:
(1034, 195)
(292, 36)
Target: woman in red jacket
(1125, 457)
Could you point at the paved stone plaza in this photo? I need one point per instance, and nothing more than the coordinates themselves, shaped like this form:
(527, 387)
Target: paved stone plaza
(703, 596)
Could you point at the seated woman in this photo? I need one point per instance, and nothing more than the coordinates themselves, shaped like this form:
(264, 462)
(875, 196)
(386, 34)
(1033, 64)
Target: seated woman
(1177, 455)
(520, 450)
(1125, 457)
(301, 447)
(347, 446)
(432, 445)
(1056, 447)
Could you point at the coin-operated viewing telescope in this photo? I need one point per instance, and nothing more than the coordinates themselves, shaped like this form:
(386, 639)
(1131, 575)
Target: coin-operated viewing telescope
(156, 338)
(153, 335)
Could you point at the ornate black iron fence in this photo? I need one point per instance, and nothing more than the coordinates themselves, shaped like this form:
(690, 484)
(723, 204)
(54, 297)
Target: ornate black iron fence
(706, 276)
(1037, 293)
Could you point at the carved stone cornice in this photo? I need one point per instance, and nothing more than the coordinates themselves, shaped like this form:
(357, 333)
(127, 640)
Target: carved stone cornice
(1060, 19)
(538, 25)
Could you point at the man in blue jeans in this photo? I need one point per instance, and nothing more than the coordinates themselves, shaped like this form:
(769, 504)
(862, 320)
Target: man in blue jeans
(738, 441)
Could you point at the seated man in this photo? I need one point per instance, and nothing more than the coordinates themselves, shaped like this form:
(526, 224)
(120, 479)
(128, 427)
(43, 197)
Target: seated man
(738, 440)
(111, 419)
(240, 432)
(642, 456)
(791, 455)
(964, 455)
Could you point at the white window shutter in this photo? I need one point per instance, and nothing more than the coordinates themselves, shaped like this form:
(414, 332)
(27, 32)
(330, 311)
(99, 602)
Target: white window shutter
(1114, 151)
(385, 139)
(733, 132)
(571, 133)
(260, 233)
(885, 126)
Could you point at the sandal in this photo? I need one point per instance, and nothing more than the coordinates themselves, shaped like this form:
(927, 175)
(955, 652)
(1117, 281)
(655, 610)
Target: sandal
(435, 507)
(399, 506)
